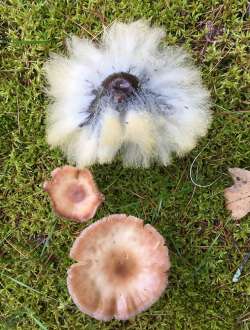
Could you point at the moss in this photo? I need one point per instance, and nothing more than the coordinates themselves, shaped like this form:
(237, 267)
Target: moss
(206, 244)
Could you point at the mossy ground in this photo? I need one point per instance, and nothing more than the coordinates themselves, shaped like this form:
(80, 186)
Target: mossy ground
(206, 244)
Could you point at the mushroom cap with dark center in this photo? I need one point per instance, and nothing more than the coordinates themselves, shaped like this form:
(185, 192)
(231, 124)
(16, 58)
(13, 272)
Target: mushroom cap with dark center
(122, 268)
(73, 193)
(121, 85)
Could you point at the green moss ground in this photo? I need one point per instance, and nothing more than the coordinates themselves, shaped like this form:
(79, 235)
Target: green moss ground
(206, 244)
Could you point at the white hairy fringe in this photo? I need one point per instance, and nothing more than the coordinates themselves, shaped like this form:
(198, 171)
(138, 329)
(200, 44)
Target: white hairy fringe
(141, 134)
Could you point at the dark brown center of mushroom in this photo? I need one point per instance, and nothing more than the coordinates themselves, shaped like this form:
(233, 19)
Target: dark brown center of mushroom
(121, 85)
(76, 193)
(120, 266)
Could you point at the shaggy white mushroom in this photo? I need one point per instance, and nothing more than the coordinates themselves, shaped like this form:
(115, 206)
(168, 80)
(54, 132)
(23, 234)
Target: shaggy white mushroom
(121, 270)
(130, 94)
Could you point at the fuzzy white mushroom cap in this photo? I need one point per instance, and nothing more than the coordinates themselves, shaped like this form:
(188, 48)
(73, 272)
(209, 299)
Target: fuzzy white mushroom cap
(129, 95)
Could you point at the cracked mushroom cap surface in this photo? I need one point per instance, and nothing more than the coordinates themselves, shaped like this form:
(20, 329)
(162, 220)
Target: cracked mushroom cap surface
(121, 270)
(73, 193)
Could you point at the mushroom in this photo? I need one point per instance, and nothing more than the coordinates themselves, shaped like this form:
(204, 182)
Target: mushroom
(73, 193)
(126, 95)
(122, 268)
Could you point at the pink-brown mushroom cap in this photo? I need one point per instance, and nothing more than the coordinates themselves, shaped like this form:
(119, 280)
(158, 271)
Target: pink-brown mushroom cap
(73, 193)
(122, 268)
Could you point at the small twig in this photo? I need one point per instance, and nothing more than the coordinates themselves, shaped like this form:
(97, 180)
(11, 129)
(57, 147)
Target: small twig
(178, 183)
(16, 249)
(238, 272)
(190, 200)
(5, 238)
(86, 30)
(221, 58)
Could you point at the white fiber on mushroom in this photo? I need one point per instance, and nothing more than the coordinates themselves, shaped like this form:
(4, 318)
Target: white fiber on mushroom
(73, 193)
(121, 270)
(130, 94)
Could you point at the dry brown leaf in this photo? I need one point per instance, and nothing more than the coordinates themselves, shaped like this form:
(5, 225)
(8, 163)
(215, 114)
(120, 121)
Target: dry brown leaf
(238, 196)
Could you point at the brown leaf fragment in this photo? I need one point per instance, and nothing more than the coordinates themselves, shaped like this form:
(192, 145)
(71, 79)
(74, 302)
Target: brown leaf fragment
(238, 196)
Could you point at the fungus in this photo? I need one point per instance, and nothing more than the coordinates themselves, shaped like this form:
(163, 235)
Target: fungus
(144, 102)
(73, 193)
(122, 268)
